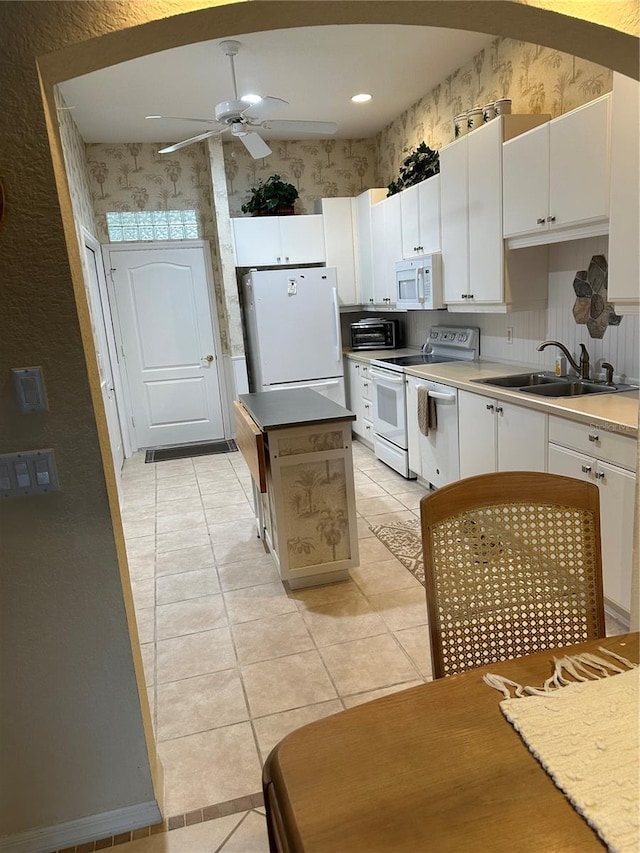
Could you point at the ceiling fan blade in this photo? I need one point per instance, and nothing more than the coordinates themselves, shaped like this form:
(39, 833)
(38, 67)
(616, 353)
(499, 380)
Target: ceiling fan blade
(286, 126)
(171, 148)
(185, 118)
(264, 108)
(255, 145)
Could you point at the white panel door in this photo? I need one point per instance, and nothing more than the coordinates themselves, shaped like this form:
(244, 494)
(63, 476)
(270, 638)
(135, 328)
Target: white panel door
(170, 353)
(429, 215)
(525, 196)
(522, 438)
(256, 241)
(477, 434)
(104, 346)
(485, 213)
(302, 239)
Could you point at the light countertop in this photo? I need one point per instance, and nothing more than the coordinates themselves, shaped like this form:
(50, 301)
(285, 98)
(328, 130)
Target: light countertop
(617, 412)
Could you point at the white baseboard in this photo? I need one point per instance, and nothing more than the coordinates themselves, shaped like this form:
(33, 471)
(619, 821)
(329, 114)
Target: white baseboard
(84, 829)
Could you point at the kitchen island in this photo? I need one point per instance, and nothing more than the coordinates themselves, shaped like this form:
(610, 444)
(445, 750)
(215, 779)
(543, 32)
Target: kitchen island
(297, 445)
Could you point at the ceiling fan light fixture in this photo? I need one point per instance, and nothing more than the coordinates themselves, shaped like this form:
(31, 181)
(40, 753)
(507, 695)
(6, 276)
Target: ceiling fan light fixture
(251, 99)
(361, 98)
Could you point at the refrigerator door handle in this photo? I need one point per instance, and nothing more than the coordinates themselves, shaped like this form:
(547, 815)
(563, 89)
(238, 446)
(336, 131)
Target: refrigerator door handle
(336, 313)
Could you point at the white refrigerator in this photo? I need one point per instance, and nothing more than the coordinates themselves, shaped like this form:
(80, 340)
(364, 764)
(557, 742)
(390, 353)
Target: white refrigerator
(292, 323)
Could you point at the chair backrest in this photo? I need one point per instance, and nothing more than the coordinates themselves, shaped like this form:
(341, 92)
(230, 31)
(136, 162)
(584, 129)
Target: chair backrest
(513, 565)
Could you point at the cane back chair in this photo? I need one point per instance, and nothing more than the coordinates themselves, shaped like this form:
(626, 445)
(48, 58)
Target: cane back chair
(513, 565)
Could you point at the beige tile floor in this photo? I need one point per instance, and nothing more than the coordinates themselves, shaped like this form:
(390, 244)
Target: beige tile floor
(233, 660)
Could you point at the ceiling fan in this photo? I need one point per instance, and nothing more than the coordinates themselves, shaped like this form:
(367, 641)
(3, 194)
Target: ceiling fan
(240, 117)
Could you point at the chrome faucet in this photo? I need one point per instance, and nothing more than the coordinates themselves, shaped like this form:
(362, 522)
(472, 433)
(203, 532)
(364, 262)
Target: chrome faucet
(583, 368)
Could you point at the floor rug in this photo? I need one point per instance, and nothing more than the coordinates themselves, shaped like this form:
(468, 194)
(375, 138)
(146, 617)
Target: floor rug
(404, 540)
(185, 451)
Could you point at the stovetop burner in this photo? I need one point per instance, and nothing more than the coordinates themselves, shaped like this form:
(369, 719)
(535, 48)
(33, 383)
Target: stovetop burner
(444, 344)
(420, 358)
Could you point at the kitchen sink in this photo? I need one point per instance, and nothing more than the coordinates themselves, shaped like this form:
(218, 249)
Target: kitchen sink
(570, 388)
(519, 380)
(550, 385)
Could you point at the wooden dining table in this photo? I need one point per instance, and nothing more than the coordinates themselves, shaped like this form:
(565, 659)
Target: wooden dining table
(433, 768)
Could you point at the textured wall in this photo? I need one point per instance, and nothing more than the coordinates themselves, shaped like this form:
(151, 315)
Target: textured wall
(537, 79)
(324, 168)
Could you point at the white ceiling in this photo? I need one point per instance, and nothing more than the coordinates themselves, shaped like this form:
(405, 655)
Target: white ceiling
(315, 69)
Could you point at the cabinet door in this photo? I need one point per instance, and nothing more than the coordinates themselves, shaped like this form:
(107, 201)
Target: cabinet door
(409, 213)
(392, 246)
(257, 240)
(339, 244)
(364, 253)
(624, 221)
(485, 214)
(455, 231)
(302, 239)
(429, 237)
(525, 182)
(617, 492)
(477, 434)
(579, 164)
(378, 253)
(354, 399)
(522, 438)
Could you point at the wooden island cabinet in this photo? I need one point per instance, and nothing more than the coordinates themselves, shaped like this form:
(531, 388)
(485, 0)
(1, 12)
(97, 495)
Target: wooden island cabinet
(297, 445)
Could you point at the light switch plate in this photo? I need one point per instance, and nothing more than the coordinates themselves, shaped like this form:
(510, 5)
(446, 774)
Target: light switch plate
(32, 472)
(30, 393)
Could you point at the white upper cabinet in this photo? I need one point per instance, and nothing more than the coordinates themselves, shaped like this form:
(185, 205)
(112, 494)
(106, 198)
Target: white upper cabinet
(364, 250)
(340, 242)
(420, 218)
(387, 249)
(624, 224)
(556, 178)
(478, 274)
(267, 241)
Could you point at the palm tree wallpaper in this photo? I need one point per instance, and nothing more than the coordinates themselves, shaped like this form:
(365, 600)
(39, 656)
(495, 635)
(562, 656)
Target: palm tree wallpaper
(315, 499)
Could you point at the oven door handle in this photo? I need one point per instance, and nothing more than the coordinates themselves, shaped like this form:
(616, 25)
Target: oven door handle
(384, 378)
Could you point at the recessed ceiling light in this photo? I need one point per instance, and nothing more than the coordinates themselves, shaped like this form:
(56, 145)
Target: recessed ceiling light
(251, 99)
(361, 99)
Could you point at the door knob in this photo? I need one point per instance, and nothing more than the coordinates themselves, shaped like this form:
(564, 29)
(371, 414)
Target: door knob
(208, 358)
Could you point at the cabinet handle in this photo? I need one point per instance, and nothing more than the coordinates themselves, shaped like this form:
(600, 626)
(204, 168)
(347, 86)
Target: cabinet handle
(357, 367)
(287, 259)
(470, 296)
(586, 469)
(499, 410)
(551, 219)
(540, 220)
(599, 475)
(593, 436)
(371, 300)
(490, 408)
(278, 259)
(463, 296)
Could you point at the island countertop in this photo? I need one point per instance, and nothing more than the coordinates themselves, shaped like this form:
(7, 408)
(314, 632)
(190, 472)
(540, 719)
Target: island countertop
(292, 407)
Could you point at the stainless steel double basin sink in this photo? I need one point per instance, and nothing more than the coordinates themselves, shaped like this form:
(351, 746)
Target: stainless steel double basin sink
(550, 385)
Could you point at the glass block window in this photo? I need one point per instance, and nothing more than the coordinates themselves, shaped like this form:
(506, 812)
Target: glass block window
(152, 225)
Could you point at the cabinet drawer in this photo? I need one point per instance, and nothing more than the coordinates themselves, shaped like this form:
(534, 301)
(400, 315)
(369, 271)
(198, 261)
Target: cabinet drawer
(365, 371)
(367, 430)
(595, 441)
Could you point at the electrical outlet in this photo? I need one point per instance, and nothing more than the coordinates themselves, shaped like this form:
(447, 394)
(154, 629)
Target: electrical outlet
(509, 334)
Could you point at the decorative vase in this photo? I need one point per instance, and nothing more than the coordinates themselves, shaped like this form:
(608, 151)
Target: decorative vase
(489, 112)
(474, 118)
(460, 125)
(503, 107)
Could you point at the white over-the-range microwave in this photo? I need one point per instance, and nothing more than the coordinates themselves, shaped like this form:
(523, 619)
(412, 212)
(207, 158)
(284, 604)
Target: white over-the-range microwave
(419, 283)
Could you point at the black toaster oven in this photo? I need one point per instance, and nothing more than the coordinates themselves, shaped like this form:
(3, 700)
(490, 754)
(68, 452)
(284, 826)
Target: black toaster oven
(374, 333)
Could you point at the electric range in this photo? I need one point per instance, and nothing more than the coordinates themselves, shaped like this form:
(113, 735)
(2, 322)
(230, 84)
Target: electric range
(443, 344)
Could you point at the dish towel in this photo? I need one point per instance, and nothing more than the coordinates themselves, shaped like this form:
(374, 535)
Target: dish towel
(582, 726)
(427, 418)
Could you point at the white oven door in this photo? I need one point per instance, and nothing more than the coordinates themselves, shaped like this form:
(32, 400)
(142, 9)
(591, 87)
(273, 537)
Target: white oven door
(389, 407)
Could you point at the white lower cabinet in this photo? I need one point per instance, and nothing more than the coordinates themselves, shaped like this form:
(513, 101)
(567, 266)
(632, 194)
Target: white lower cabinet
(498, 436)
(359, 399)
(607, 459)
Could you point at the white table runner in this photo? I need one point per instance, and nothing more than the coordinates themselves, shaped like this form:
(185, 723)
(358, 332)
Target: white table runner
(585, 735)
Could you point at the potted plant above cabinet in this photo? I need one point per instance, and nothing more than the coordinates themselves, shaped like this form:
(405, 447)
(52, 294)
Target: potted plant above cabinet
(271, 236)
(273, 197)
